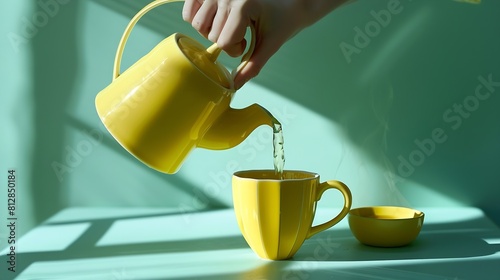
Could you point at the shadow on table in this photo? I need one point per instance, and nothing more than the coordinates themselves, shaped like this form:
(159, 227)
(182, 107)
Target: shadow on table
(436, 241)
(454, 247)
(85, 246)
(442, 251)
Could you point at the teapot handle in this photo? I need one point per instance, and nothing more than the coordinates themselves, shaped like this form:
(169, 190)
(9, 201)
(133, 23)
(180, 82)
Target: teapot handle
(128, 30)
(213, 50)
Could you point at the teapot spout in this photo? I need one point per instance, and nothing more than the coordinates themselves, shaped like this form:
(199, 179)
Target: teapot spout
(234, 126)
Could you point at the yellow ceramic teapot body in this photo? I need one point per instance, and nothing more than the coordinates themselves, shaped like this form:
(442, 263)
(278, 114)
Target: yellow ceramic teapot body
(174, 99)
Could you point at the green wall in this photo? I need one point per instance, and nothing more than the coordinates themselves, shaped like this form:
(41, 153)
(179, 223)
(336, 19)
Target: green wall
(382, 95)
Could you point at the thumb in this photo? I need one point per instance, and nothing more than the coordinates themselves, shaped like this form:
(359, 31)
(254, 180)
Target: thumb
(260, 56)
(245, 72)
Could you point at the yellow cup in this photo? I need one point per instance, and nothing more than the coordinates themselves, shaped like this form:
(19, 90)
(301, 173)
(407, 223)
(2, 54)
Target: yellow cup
(275, 215)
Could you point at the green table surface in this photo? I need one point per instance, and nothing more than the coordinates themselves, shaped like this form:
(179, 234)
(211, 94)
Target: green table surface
(131, 243)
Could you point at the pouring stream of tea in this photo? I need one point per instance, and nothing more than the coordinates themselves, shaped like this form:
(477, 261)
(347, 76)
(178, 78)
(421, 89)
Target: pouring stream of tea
(278, 152)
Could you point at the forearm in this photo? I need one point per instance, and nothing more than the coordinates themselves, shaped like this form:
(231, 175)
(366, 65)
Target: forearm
(317, 9)
(276, 21)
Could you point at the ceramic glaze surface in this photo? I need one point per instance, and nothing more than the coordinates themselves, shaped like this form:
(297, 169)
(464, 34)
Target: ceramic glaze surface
(275, 216)
(385, 226)
(173, 100)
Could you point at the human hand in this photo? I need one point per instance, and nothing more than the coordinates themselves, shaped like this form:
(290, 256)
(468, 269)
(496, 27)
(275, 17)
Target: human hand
(225, 22)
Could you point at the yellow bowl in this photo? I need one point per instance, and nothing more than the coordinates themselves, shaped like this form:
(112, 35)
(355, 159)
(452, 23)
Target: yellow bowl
(385, 226)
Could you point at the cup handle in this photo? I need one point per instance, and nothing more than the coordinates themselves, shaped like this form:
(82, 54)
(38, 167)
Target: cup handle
(332, 184)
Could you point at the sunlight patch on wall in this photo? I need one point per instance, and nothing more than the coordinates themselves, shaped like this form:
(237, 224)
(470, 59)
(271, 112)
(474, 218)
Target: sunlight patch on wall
(396, 44)
(312, 143)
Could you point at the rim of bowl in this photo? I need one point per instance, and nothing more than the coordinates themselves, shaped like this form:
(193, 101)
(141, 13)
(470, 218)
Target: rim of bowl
(417, 213)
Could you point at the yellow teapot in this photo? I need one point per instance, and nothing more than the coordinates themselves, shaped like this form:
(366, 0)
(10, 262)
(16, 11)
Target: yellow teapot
(174, 99)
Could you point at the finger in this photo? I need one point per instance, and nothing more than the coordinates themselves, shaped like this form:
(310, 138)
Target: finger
(232, 37)
(248, 72)
(218, 22)
(190, 9)
(264, 50)
(203, 19)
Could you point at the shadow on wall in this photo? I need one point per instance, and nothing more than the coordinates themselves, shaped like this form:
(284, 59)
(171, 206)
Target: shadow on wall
(55, 68)
(401, 79)
(415, 91)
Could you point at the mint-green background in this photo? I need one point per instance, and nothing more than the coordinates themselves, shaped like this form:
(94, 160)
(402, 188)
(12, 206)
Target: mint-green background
(351, 121)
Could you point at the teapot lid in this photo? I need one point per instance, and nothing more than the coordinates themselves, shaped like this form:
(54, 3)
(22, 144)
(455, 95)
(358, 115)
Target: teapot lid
(205, 60)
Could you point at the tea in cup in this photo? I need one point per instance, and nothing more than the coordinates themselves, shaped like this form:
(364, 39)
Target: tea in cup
(275, 214)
